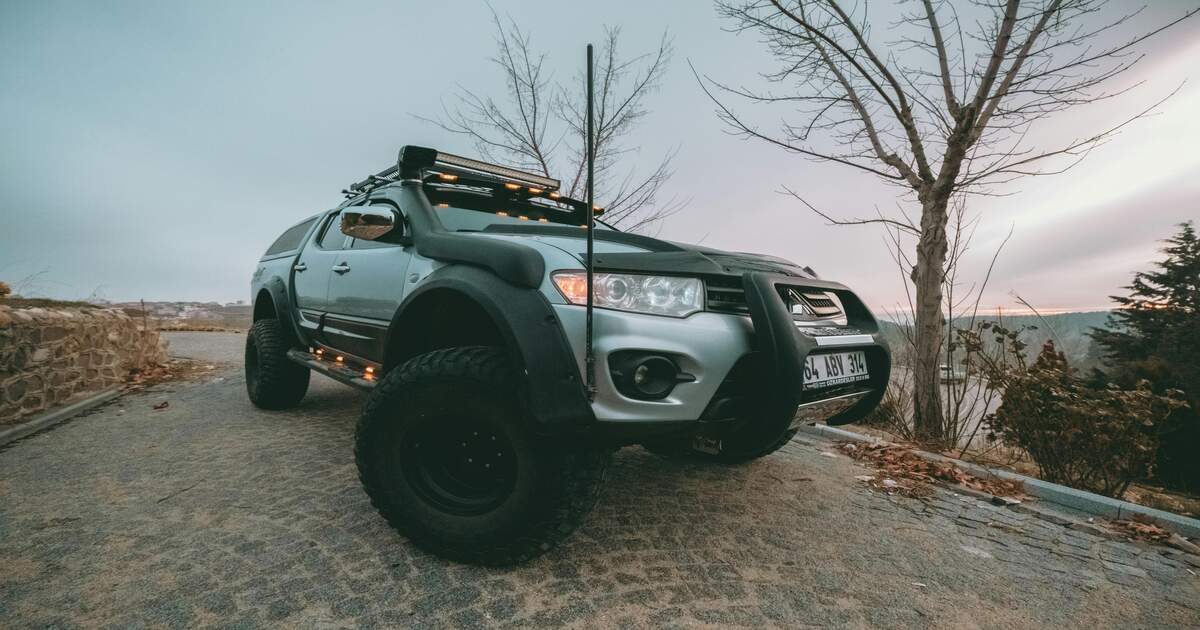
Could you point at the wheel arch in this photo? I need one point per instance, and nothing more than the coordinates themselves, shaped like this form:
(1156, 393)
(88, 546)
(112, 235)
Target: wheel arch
(463, 305)
(271, 301)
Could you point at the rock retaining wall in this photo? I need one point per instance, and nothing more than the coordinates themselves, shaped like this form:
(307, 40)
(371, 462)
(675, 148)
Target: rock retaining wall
(51, 355)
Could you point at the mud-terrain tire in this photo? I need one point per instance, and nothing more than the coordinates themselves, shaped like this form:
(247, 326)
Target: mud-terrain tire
(272, 380)
(447, 456)
(744, 441)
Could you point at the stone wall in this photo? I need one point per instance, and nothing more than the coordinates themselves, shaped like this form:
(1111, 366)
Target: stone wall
(49, 356)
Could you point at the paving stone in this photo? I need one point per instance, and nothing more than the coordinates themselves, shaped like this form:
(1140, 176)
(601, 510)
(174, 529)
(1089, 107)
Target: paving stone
(275, 531)
(1124, 568)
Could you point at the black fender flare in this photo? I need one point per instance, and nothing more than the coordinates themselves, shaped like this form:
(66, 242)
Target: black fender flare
(282, 301)
(552, 390)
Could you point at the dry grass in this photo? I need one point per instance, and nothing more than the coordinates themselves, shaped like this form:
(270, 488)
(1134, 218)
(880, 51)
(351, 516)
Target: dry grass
(20, 302)
(172, 370)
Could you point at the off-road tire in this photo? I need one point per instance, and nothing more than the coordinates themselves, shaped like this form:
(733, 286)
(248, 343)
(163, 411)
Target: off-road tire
(555, 485)
(272, 380)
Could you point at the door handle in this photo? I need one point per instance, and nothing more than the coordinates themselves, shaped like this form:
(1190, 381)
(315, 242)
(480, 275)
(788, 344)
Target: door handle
(300, 266)
(340, 268)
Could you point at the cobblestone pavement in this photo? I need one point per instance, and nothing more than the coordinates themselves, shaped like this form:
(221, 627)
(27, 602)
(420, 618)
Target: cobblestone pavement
(212, 513)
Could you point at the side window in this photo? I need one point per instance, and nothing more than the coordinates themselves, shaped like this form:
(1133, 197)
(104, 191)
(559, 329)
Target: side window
(333, 237)
(359, 243)
(290, 239)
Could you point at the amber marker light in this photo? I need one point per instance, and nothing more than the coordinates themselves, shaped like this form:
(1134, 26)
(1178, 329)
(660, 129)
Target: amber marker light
(512, 186)
(573, 286)
(502, 214)
(340, 359)
(535, 191)
(443, 205)
(448, 177)
(553, 195)
(369, 373)
(543, 220)
(523, 218)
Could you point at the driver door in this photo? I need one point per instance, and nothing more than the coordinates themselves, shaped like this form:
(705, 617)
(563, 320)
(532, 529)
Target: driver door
(366, 286)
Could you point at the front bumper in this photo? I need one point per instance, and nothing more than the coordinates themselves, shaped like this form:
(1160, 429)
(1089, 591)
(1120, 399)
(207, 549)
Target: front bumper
(784, 347)
(743, 365)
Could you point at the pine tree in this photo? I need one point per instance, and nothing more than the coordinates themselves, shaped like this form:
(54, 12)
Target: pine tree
(1154, 334)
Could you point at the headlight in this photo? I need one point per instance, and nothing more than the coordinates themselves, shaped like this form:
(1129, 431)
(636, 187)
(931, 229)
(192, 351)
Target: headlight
(657, 295)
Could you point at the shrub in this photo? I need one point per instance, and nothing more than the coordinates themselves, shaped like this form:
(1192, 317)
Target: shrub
(895, 410)
(1096, 439)
(5, 290)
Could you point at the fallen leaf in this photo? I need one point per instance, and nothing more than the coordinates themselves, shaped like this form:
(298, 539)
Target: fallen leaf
(828, 454)
(1146, 530)
(864, 477)
(1181, 543)
(162, 405)
(908, 471)
(920, 584)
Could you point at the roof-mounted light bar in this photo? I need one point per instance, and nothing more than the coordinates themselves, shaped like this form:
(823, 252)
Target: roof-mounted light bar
(527, 179)
(414, 160)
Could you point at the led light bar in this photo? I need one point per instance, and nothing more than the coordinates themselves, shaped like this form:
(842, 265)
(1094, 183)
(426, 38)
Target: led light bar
(414, 161)
(522, 177)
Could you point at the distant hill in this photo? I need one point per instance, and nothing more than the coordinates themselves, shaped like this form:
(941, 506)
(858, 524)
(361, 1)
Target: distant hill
(1069, 331)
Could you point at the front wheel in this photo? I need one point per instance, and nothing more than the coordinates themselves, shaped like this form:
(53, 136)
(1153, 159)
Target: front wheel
(448, 458)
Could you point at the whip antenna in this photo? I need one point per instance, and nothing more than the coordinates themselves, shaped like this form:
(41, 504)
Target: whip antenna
(590, 360)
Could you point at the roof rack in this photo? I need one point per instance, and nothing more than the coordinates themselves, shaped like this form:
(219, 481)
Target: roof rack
(413, 162)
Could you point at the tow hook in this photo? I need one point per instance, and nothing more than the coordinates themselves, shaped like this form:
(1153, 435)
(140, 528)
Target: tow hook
(704, 444)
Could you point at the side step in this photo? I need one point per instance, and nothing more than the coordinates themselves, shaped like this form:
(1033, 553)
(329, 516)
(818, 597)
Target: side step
(334, 370)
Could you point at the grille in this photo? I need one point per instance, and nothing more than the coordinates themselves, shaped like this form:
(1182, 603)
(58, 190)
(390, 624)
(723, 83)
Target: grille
(726, 295)
(822, 304)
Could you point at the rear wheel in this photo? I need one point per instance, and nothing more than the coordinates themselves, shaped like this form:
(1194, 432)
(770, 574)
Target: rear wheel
(272, 380)
(448, 458)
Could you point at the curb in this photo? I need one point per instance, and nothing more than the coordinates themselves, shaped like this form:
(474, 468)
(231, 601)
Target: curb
(56, 416)
(1083, 501)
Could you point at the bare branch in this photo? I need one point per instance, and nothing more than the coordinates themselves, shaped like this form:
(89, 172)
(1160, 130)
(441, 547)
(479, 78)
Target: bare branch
(540, 125)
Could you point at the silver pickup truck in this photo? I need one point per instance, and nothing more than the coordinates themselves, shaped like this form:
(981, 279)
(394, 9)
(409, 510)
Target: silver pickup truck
(455, 291)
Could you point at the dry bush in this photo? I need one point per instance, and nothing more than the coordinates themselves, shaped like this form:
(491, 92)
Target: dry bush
(1094, 439)
(5, 290)
(894, 412)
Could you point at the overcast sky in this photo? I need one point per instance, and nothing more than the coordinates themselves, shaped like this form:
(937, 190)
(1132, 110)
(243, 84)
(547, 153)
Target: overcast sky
(154, 149)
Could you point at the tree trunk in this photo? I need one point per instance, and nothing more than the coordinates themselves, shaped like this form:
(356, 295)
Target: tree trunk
(927, 321)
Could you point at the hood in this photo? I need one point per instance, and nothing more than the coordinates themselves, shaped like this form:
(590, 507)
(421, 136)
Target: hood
(621, 251)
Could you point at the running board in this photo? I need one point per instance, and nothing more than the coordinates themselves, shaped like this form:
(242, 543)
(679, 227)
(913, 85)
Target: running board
(337, 371)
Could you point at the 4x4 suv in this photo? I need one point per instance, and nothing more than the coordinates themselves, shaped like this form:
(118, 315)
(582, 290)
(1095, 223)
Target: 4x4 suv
(455, 291)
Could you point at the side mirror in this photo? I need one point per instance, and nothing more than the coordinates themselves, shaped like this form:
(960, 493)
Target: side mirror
(371, 223)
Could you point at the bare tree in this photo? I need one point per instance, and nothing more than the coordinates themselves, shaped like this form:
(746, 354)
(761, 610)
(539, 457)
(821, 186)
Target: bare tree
(941, 110)
(540, 125)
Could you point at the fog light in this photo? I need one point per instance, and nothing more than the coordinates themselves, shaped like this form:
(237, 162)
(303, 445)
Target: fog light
(645, 376)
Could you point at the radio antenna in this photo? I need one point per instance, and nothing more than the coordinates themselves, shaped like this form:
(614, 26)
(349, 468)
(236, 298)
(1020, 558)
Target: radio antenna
(590, 357)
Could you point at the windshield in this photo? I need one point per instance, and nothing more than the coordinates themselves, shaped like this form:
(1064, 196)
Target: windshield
(463, 209)
(458, 219)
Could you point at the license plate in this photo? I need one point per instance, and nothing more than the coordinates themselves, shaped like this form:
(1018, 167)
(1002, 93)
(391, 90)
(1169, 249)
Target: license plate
(838, 368)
